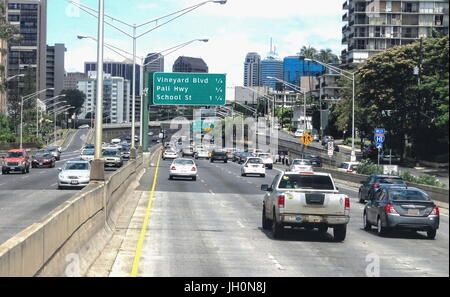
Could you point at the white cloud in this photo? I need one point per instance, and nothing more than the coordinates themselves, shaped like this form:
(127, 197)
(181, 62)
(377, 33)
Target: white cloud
(268, 9)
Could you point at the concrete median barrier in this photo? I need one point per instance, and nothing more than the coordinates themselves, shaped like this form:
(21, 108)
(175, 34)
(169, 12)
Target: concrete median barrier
(70, 238)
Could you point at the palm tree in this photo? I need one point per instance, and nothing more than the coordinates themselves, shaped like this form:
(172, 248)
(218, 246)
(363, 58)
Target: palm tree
(308, 52)
(326, 56)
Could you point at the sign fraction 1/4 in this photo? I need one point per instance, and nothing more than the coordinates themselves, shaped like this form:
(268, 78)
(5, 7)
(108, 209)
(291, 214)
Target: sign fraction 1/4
(211, 98)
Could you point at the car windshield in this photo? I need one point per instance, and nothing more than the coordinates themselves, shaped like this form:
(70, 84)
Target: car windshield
(183, 162)
(110, 153)
(391, 181)
(15, 155)
(43, 155)
(88, 152)
(51, 149)
(76, 166)
(301, 162)
(317, 182)
(408, 195)
(254, 161)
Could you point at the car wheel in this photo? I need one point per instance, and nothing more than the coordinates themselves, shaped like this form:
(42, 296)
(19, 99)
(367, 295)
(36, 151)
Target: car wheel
(277, 228)
(171, 177)
(243, 174)
(225, 162)
(367, 225)
(28, 170)
(381, 231)
(361, 199)
(431, 234)
(265, 221)
(194, 178)
(263, 175)
(212, 161)
(339, 233)
(24, 171)
(323, 229)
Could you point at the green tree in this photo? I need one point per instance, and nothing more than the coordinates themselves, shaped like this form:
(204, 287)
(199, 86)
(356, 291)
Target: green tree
(308, 52)
(327, 56)
(6, 134)
(74, 98)
(408, 108)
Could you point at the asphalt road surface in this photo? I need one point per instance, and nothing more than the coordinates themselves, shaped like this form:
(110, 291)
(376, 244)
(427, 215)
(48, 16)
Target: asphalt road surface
(212, 228)
(26, 199)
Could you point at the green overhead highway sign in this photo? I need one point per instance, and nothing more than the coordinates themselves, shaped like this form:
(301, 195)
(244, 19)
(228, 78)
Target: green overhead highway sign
(189, 89)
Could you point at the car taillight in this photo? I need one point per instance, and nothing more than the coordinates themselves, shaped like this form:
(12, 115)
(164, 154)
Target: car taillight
(376, 186)
(347, 203)
(173, 168)
(435, 211)
(389, 209)
(194, 169)
(281, 201)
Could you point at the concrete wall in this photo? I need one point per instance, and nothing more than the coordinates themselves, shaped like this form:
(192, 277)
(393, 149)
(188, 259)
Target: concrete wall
(295, 149)
(70, 238)
(437, 194)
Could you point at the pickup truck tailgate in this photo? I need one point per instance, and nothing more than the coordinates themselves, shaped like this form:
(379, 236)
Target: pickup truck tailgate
(320, 203)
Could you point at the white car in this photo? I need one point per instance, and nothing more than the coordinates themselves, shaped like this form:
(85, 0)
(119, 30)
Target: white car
(253, 166)
(299, 133)
(301, 165)
(169, 154)
(202, 154)
(349, 167)
(87, 155)
(267, 160)
(75, 174)
(183, 168)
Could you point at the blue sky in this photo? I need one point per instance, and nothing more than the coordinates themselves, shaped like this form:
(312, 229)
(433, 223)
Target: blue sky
(234, 29)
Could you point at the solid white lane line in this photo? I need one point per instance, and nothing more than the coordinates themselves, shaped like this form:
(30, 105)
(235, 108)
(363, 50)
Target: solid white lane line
(274, 261)
(240, 224)
(214, 194)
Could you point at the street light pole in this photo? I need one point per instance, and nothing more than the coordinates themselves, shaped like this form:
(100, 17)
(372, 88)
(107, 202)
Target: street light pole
(97, 171)
(350, 76)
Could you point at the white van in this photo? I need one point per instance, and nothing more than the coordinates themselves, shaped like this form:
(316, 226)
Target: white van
(116, 141)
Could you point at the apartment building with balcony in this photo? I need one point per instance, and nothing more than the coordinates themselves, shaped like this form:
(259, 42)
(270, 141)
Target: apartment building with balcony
(373, 26)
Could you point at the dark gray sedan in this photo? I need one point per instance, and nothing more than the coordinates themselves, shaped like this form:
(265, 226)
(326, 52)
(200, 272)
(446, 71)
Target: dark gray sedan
(401, 208)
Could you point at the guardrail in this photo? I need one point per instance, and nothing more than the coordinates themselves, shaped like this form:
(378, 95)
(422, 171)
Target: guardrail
(437, 194)
(71, 237)
(295, 149)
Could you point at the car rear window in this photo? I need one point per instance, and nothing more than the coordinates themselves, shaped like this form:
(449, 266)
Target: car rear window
(391, 181)
(293, 181)
(408, 195)
(301, 162)
(219, 153)
(183, 162)
(76, 166)
(254, 161)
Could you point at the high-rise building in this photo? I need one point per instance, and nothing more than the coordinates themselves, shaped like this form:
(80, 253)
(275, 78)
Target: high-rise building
(374, 26)
(271, 67)
(118, 69)
(3, 61)
(154, 63)
(252, 70)
(189, 64)
(71, 80)
(27, 54)
(55, 69)
(116, 97)
(295, 69)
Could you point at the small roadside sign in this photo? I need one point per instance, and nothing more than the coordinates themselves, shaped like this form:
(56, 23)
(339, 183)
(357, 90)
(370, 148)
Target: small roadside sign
(379, 136)
(330, 149)
(306, 139)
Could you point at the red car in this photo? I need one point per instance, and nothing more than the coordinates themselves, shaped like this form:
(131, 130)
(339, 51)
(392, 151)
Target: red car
(43, 159)
(16, 161)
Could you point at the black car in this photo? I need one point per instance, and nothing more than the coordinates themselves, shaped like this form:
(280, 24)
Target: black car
(375, 182)
(244, 156)
(316, 161)
(219, 156)
(401, 208)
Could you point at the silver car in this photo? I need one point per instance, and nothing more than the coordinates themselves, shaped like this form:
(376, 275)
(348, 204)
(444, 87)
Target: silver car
(75, 174)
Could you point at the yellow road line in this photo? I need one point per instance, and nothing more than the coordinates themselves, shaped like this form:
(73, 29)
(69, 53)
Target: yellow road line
(140, 244)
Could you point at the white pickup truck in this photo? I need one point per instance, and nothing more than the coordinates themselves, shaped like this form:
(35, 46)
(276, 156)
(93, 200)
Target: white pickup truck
(309, 200)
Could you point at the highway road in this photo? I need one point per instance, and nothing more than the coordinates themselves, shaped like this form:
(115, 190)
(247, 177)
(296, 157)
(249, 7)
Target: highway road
(26, 199)
(212, 228)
